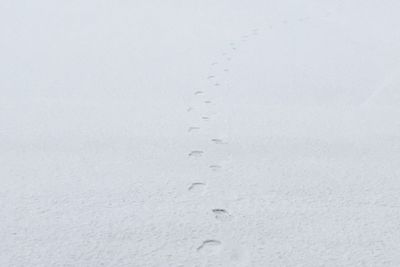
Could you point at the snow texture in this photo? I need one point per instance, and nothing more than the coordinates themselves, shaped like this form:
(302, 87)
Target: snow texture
(200, 133)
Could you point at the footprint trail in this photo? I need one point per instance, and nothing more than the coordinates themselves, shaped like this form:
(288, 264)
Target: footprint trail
(214, 246)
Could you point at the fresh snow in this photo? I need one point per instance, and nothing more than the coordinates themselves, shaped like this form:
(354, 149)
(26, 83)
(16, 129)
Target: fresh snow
(200, 133)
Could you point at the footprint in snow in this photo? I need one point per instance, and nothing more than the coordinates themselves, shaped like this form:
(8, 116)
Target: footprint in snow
(216, 84)
(207, 102)
(226, 70)
(215, 167)
(197, 187)
(221, 214)
(189, 109)
(198, 92)
(196, 153)
(218, 141)
(205, 118)
(210, 246)
(191, 129)
(211, 77)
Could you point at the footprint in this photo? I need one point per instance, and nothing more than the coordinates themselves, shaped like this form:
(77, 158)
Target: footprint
(221, 214)
(189, 109)
(205, 118)
(207, 102)
(211, 77)
(198, 92)
(214, 63)
(217, 84)
(210, 245)
(197, 187)
(226, 70)
(215, 167)
(218, 141)
(196, 153)
(191, 129)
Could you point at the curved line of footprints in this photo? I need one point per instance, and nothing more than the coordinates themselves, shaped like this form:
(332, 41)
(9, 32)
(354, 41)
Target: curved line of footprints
(220, 214)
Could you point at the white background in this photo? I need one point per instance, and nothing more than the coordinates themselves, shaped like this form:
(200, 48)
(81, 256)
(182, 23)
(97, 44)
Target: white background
(96, 99)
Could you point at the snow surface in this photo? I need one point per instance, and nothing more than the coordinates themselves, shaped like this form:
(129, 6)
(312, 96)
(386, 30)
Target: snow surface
(200, 133)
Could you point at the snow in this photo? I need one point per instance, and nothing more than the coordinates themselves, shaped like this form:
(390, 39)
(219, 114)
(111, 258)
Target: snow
(199, 133)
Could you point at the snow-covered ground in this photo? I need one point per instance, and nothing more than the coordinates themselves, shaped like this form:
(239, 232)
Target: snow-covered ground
(200, 133)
